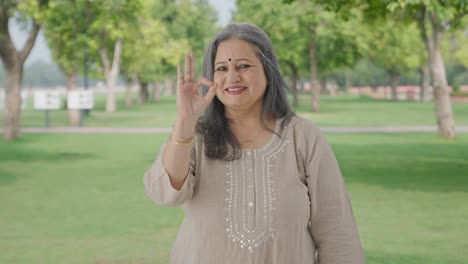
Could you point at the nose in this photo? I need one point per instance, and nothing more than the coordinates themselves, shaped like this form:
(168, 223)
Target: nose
(233, 75)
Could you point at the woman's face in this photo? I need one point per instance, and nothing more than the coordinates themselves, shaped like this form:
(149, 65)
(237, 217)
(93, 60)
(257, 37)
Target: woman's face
(239, 75)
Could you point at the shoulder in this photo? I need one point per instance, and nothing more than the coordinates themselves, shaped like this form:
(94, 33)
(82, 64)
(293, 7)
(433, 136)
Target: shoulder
(304, 129)
(304, 135)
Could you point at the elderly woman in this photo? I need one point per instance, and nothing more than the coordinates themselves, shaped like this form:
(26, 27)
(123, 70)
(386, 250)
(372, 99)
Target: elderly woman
(257, 184)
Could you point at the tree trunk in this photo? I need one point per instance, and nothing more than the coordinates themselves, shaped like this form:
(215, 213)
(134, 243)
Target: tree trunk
(301, 86)
(111, 71)
(333, 87)
(12, 110)
(424, 82)
(347, 82)
(156, 92)
(144, 93)
(293, 85)
(293, 82)
(314, 82)
(128, 94)
(167, 87)
(323, 86)
(111, 100)
(443, 105)
(394, 80)
(13, 61)
(73, 114)
(131, 82)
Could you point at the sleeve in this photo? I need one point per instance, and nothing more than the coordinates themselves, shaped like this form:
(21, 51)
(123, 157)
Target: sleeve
(158, 186)
(332, 223)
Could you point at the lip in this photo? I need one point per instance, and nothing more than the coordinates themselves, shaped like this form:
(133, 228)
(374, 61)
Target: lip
(235, 87)
(235, 90)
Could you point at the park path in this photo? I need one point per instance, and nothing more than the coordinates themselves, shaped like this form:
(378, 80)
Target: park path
(148, 130)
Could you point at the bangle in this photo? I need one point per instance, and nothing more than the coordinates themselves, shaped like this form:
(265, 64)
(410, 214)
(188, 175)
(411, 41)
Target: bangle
(180, 141)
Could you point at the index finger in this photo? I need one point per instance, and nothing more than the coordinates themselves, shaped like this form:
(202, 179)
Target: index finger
(212, 87)
(192, 65)
(187, 69)
(180, 77)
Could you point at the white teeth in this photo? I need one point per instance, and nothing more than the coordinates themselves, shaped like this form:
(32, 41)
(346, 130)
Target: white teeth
(234, 89)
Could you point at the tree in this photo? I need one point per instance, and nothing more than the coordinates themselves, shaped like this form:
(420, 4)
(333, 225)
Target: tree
(151, 52)
(279, 22)
(109, 23)
(461, 51)
(65, 32)
(13, 60)
(395, 47)
(435, 17)
(193, 22)
(305, 34)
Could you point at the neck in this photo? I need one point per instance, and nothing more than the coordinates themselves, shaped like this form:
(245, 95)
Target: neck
(244, 117)
(249, 126)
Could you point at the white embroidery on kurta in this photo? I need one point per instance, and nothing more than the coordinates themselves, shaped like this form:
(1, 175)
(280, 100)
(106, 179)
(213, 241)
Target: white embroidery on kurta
(250, 194)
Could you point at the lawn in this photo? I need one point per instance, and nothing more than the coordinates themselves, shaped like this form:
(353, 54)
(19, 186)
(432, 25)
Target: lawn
(344, 110)
(80, 198)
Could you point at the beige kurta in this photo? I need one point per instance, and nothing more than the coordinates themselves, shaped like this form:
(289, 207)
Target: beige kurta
(285, 202)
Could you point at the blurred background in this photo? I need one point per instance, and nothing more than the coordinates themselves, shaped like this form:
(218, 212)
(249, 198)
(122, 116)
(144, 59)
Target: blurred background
(87, 94)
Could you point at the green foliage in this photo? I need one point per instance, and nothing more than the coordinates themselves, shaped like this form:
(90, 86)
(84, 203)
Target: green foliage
(111, 19)
(74, 26)
(149, 51)
(192, 22)
(455, 53)
(365, 73)
(166, 32)
(341, 43)
(459, 42)
(444, 11)
(196, 22)
(66, 33)
(395, 46)
(280, 23)
(34, 9)
(292, 27)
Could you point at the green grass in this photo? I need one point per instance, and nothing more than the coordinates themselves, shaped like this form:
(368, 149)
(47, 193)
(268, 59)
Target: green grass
(344, 110)
(350, 110)
(80, 198)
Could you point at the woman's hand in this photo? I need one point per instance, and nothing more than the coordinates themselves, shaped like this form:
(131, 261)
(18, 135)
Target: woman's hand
(190, 103)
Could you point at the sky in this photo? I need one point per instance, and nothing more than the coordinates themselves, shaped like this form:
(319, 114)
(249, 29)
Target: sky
(42, 52)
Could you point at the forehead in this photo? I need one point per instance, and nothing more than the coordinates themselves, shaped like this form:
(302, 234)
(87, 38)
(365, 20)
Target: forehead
(235, 49)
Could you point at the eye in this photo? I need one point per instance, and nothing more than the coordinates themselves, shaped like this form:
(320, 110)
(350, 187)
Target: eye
(221, 68)
(244, 66)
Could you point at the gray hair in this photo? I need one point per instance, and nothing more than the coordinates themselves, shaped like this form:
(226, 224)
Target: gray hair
(214, 126)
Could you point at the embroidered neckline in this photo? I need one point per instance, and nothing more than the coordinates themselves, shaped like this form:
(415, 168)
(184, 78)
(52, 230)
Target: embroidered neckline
(250, 202)
(270, 141)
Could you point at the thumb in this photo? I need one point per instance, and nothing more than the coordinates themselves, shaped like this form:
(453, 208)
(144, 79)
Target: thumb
(212, 86)
(211, 92)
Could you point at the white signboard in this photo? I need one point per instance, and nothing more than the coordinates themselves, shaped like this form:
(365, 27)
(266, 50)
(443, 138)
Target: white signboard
(24, 100)
(80, 99)
(47, 100)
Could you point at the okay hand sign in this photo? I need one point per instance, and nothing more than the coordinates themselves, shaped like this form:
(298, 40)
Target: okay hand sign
(190, 103)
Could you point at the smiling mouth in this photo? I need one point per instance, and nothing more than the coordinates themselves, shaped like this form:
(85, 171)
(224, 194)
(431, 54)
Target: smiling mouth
(235, 90)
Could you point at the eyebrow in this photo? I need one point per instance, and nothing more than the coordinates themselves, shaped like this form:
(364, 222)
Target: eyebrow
(234, 60)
